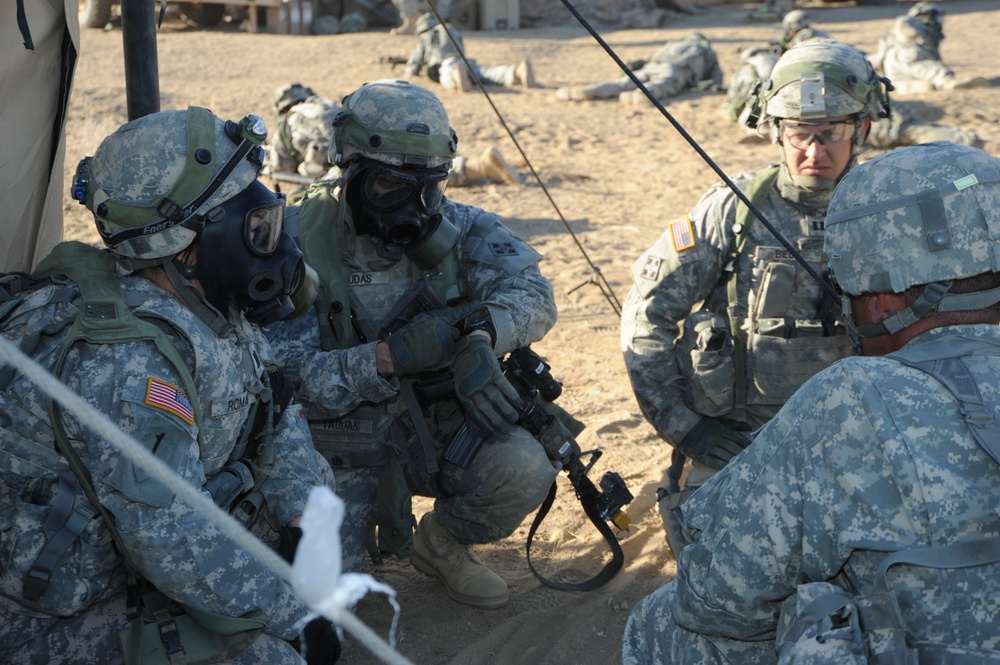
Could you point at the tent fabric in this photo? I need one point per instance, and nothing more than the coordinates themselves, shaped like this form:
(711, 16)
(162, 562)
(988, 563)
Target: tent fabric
(35, 86)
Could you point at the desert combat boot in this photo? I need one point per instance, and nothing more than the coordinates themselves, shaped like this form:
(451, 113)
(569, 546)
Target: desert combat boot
(438, 554)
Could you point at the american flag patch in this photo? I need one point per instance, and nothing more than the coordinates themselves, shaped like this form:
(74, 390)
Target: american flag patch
(681, 234)
(162, 395)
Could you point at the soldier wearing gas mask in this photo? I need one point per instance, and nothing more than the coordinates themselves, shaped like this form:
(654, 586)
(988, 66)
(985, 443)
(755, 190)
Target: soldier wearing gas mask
(397, 361)
(158, 333)
(722, 323)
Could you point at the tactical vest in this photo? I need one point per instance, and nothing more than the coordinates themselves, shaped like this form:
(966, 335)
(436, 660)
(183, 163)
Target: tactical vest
(790, 330)
(830, 626)
(62, 558)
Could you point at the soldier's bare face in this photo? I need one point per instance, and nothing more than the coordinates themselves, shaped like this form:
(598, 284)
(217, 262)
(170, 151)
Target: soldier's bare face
(824, 153)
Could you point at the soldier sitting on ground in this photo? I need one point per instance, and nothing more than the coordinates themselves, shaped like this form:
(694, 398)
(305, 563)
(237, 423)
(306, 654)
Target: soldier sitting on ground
(910, 54)
(437, 58)
(682, 64)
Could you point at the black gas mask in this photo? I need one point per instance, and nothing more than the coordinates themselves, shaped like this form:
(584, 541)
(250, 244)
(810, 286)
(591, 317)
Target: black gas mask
(246, 259)
(396, 205)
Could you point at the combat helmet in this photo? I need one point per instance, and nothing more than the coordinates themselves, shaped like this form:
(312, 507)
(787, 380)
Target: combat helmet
(289, 95)
(822, 78)
(921, 215)
(929, 13)
(395, 122)
(425, 23)
(795, 20)
(151, 182)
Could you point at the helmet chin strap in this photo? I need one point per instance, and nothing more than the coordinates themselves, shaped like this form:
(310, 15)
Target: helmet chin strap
(194, 299)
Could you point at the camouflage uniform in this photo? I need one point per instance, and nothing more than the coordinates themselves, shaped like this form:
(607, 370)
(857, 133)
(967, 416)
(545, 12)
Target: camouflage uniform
(756, 64)
(871, 456)
(904, 127)
(436, 57)
(348, 403)
(341, 391)
(302, 139)
(711, 360)
(680, 64)
(910, 53)
(193, 387)
(163, 534)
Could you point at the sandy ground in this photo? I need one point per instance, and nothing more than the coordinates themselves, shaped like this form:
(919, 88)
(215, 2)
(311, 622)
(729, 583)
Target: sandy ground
(617, 175)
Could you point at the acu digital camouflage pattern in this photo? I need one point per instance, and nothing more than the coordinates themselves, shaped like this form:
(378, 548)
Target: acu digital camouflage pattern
(176, 548)
(668, 283)
(349, 404)
(680, 64)
(143, 161)
(435, 56)
(911, 54)
(408, 121)
(869, 457)
(785, 97)
(905, 127)
(301, 142)
(755, 65)
(916, 215)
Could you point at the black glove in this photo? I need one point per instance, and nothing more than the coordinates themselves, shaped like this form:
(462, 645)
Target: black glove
(318, 642)
(422, 345)
(713, 443)
(489, 400)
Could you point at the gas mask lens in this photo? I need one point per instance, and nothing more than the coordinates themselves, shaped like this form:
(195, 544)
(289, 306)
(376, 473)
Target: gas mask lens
(386, 190)
(801, 134)
(262, 227)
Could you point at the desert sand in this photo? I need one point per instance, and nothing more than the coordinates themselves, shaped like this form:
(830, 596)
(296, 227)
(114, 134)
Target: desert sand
(617, 175)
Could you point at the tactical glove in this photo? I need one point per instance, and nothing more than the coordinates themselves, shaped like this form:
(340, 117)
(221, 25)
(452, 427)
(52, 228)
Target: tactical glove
(489, 400)
(422, 345)
(713, 443)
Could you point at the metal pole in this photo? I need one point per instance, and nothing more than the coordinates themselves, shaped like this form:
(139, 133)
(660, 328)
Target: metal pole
(142, 78)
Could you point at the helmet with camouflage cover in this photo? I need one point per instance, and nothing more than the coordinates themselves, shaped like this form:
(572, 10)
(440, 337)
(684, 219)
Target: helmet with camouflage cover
(289, 95)
(151, 182)
(921, 215)
(822, 78)
(395, 122)
(929, 13)
(797, 19)
(425, 23)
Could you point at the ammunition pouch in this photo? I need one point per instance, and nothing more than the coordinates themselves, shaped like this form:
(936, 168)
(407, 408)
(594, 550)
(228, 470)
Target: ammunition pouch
(164, 632)
(706, 361)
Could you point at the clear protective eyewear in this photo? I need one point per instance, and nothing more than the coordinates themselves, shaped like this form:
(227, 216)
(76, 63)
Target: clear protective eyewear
(387, 189)
(800, 135)
(262, 227)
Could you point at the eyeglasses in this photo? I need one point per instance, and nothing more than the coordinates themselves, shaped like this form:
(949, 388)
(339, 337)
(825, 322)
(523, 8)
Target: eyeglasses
(801, 134)
(386, 189)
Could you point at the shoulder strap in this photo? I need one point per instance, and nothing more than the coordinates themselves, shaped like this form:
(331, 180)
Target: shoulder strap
(321, 239)
(756, 192)
(944, 360)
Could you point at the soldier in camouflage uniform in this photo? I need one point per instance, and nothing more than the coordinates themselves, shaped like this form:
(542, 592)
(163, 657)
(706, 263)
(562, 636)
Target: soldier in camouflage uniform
(389, 377)
(681, 64)
(437, 58)
(910, 54)
(895, 452)
(755, 66)
(301, 144)
(797, 26)
(202, 399)
(753, 324)
(905, 127)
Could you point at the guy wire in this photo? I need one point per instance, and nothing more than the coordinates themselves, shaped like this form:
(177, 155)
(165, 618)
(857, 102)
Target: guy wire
(596, 277)
(694, 144)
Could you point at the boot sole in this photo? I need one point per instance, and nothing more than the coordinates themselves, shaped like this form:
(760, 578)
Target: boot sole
(426, 567)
